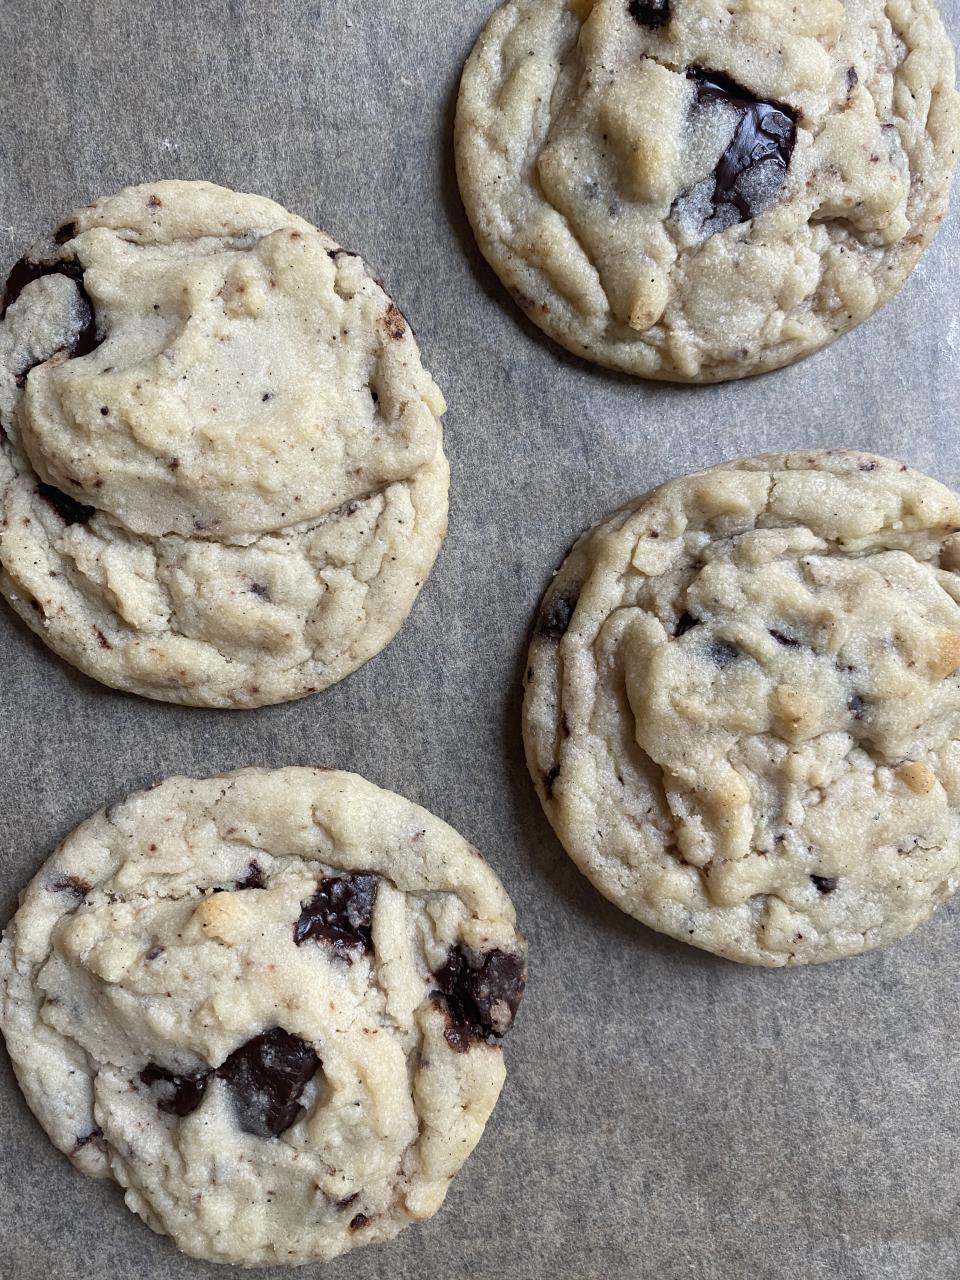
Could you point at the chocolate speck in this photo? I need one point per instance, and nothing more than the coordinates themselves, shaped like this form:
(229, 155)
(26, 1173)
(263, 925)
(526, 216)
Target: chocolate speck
(686, 622)
(67, 508)
(781, 637)
(259, 589)
(359, 1221)
(852, 79)
(825, 884)
(723, 654)
(857, 707)
(94, 1135)
(549, 778)
(253, 879)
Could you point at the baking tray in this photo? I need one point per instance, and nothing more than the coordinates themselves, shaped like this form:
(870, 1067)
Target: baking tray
(667, 1114)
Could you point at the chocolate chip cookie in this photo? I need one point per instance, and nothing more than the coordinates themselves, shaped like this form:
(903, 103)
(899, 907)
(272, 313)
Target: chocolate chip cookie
(742, 707)
(702, 189)
(268, 1004)
(222, 478)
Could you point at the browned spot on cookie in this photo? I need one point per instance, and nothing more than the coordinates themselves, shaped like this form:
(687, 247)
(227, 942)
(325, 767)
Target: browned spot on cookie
(394, 323)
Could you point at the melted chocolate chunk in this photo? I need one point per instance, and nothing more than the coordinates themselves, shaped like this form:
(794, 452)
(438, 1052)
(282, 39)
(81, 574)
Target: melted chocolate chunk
(765, 136)
(555, 615)
(253, 879)
(339, 914)
(179, 1095)
(481, 995)
(650, 13)
(686, 622)
(781, 637)
(67, 508)
(29, 269)
(825, 884)
(266, 1077)
(723, 654)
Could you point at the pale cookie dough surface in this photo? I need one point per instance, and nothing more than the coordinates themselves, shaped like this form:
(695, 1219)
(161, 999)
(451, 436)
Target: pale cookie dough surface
(269, 1004)
(742, 708)
(222, 478)
(703, 189)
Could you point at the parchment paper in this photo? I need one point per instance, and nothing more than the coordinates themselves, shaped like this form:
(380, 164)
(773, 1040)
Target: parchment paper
(667, 1114)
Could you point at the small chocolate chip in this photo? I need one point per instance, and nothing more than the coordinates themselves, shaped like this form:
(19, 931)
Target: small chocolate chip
(94, 1135)
(340, 914)
(69, 509)
(178, 1095)
(267, 395)
(71, 884)
(359, 1221)
(556, 613)
(857, 707)
(481, 995)
(723, 654)
(253, 879)
(686, 622)
(781, 637)
(825, 884)
(650, 13)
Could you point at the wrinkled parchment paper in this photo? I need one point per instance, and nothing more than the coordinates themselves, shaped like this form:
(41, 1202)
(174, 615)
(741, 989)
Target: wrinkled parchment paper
(667, 1115)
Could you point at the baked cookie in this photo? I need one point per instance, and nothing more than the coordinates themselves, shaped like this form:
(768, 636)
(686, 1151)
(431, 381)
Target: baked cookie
(742, 708)
(703, 189)
(222, 478)
(269, 1004)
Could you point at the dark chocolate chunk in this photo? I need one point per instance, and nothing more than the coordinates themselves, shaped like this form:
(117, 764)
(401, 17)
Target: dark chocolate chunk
(723, 654)
(69, 509)
(766, 135)
(64, 233)
(650, 13)
(178, 1095)
(481, 995)
(781, 637)
(266, 1077)
(555, 614)
(253, 879)
(686, 622)
(339, 914)
(857, 707)
(825, 884)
